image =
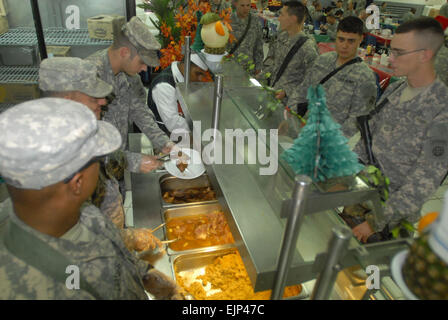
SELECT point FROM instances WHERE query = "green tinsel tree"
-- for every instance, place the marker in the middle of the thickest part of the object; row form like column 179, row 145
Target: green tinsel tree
column 198, row 45
column 321, row 150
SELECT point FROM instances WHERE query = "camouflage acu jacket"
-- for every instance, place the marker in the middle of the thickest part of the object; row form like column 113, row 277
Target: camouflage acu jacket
column 104, row 262
column 298, row 66
column 129, row 106
column 410, row 143
column 223, row 4
column 252, row 44
column 441, row 64
column 350, row 93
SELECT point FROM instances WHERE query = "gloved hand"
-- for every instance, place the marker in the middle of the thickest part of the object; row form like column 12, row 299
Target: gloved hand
column 168, row 147
column 149, row 163
column 161, row 286
column 140, row 239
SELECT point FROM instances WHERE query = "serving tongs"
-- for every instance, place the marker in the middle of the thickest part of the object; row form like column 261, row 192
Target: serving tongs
column 157, row 228
column 169, row 241
column 167, row 157
column 164, row 157
column 156, row 250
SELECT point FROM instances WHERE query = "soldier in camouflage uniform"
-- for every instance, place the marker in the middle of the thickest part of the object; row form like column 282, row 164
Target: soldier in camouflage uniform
column 292, row 17
column 444, row 10
column 331, row 26
column 408, row 15
column 76, row 79
column 352, row 91
column 441, row 64
column 409, row 133
column 133, row 50
column 349, row 9
column 252, row 44
column 315, row 11
column 52, row 246
column 219, row 5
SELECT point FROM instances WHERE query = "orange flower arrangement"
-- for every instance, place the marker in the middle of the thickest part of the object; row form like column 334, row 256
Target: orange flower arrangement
column 225, row 15
column 186, row 22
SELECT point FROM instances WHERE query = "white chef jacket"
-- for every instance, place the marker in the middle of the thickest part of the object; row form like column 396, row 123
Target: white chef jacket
column 165, row 98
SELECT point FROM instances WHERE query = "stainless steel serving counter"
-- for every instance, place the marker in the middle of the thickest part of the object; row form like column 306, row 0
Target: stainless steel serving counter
column 146, row 203
column 252, row 203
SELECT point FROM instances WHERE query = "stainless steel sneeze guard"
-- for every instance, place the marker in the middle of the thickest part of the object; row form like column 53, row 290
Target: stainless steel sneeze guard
column 252, row 203
column 253, row 215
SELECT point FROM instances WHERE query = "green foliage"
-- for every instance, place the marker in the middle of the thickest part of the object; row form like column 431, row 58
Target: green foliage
column 374, row 177
column 198, row 44
column 403, row 225
column 165, row 12
column 269, row 101
column 209, row 17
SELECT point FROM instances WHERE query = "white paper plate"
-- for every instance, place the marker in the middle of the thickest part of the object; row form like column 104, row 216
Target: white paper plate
column 195, row 167
column 397, row 266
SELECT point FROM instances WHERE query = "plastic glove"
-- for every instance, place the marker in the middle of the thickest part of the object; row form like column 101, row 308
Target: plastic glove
column 168, row 147
column 145, row 240
column 149, row 163
column 161, row 286
column 140, row 239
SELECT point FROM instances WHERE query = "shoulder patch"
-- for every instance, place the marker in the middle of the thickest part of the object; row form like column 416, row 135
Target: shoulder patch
column 436, row 146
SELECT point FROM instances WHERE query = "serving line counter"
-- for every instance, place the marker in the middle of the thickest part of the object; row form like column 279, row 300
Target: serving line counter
column 255, row 205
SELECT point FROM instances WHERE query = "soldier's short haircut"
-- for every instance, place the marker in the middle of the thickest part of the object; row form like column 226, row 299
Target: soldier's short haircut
column 56, row 94
column 338, row 12
column 351, row 24
column 296, row 8
column 428, row 31
column 120, row 40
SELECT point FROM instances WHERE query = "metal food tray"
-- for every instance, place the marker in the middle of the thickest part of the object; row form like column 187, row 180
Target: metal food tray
column 192, row 210
column 169, row 183
column 196, row 262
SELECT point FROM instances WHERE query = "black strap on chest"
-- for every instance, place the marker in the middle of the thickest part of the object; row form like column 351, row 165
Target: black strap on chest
column 35, row 252
column 366, row 134
column 302, row 108
column 332, row 73
column 299, row 43
column 378, row 108
column 240, row 40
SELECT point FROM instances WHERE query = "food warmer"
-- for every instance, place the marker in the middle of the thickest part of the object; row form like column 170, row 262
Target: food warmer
column 257, row 206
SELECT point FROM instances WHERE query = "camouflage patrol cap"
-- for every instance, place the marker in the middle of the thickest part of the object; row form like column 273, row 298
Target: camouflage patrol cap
column 63, row 74
column 46, row 140
column 143, row 40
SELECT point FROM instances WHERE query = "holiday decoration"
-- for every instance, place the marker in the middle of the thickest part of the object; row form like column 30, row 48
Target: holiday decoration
column 198, row 44
column 321, row 151
column 214, row 33
column 174, row 24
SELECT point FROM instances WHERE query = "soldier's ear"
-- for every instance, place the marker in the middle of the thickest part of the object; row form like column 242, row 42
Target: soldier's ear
column 75, row 185
column 427, row 55
column 125, row 52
